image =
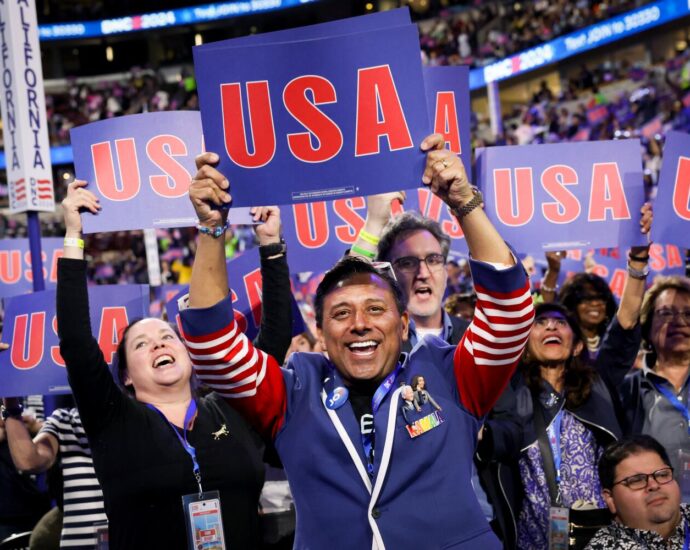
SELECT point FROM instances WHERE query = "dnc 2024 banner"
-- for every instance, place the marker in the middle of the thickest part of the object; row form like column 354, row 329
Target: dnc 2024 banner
column 33, row 364
column 140, row 167
column 15, row 265
column 566, row 195
column 341, row 123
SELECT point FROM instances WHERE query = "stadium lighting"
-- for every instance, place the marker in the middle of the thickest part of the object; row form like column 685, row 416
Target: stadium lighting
column 109, row 53
column 198, row 39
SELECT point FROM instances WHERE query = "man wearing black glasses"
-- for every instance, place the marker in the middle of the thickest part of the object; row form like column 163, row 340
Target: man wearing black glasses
column 641, row 492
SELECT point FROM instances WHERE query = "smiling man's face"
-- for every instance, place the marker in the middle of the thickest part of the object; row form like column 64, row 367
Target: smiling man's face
column 362, row 328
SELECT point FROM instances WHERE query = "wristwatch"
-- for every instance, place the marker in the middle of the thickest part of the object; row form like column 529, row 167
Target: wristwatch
column 274, row 249
column 11, row 412
column 465, row 209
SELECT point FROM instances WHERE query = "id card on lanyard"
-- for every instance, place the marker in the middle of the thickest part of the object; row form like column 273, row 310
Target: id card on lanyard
column 202, row 512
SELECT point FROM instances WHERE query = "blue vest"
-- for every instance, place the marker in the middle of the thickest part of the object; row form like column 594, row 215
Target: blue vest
column 420, row 495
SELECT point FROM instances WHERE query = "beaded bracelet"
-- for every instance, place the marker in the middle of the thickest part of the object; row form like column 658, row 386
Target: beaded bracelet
column 216, row 231
column 545, row 288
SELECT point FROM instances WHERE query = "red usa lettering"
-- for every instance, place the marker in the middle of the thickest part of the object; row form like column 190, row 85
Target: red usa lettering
column 314, row 221
column 515, row 202
column 379, row 114
column 28, row 343
column 117, row 167
column 15, row 268
column 446, row 120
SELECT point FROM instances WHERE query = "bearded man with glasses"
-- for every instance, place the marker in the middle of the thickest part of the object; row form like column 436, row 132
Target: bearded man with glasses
column 641, row 492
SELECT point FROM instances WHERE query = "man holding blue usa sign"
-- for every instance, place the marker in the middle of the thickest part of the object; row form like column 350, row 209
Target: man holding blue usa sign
column 386, row 484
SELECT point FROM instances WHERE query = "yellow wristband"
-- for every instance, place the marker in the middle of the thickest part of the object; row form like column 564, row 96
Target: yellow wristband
column 73, row 241
column 369, row 238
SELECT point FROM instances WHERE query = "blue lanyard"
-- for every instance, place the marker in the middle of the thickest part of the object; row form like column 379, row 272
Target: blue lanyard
column 554, row 433
column 686, row 544
column 191, row 451
column 379, row 396
column 675, row 402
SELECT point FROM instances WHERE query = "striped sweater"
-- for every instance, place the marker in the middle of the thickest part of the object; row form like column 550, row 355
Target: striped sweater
column 422, row 480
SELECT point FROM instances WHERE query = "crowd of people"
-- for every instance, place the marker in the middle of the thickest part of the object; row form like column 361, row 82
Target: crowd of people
column 509, row 411
column 489, row 31
column 430, row 402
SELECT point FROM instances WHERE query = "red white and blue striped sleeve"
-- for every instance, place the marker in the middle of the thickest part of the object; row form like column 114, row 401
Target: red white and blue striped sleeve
column 490, row 349
column 227, row 362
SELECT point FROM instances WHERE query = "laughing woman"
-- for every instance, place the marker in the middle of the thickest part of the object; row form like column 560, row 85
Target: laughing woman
column 156, row 441
column 565, row 402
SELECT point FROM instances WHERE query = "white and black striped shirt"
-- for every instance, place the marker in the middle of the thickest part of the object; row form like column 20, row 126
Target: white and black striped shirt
column 83, row 498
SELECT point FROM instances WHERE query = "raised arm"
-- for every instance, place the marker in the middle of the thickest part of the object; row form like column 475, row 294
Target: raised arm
column 628, row 313
column 488, row 353
column 378, row 214
column 93, row 387
column 223, row 358
column 209, row 283
column 275, row 333
column 623, row 336
column 29, row 454
column 549, row 284
column 445, row 175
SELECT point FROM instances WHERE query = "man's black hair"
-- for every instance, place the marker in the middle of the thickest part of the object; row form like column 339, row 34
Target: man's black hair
column 346, row 268
column 619, row 450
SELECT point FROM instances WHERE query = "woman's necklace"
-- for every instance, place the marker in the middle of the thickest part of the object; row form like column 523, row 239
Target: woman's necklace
column 593, row 342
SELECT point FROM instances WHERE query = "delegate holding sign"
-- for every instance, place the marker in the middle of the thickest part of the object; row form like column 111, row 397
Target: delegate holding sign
column 335, row 117
column 569, row 195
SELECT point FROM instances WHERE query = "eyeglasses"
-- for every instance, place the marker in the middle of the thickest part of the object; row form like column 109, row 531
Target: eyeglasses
column 410, row 264
column 666, row 315
column 546, row 321
column 640, row 481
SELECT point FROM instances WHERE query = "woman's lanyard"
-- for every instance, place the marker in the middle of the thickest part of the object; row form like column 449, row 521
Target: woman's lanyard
column 379, row 396
column 553, row 431
column 191, row 451
column 677, row 404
